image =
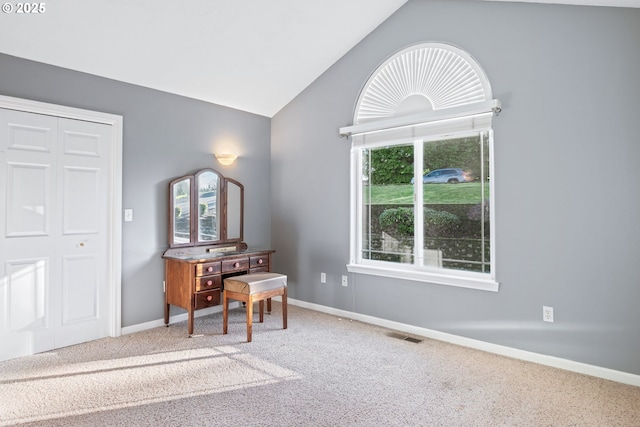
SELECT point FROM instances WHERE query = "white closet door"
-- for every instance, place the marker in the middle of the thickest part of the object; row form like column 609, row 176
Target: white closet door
column 53, row 232
column 82, row 242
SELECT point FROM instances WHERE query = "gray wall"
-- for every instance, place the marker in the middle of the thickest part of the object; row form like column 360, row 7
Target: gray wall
column 567, row 148
column 165, row 136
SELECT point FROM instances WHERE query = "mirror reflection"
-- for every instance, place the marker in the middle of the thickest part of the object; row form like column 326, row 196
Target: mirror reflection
column 234, row 207
column 205, row 209
column 208, row 212
column 181, row 198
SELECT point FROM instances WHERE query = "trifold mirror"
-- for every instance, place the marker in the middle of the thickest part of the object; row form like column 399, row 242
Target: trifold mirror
column 205, row 209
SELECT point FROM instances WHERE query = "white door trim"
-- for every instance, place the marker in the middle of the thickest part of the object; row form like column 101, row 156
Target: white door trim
column 115, row 196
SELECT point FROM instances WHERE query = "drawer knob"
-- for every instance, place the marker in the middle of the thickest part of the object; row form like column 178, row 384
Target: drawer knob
column 236, row 265
column 260, row 261
column 209, row 298
column 210, row 269
column 209, row 282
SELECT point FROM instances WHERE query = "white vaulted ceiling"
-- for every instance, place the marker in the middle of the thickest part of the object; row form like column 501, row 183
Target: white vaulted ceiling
column 252, row 55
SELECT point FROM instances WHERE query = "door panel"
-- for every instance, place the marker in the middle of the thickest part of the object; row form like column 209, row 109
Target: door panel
column 28, row 204
column 36, row 134
column 79, row 284
column 81, row 200
column 80, row 143
column 26, row 310
column 26, row 314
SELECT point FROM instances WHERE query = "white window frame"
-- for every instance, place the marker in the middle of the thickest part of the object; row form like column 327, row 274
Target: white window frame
column 450, row 121
column 460, row 278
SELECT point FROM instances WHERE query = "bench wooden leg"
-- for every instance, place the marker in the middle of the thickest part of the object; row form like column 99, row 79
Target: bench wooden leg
column 250, row 300
column 249, row 317
column 225, row 312
column 284, row 309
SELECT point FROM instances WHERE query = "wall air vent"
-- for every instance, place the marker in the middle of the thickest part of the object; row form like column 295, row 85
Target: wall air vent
column 404, row 337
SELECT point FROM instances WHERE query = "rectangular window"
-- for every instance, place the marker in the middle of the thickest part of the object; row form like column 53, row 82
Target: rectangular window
column 423, row 207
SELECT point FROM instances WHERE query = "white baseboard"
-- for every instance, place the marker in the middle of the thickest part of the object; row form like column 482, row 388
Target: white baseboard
column 542, row 359
column 556, row 362
column 175, row 319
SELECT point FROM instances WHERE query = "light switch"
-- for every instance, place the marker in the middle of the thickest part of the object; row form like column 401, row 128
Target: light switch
column 128, row 215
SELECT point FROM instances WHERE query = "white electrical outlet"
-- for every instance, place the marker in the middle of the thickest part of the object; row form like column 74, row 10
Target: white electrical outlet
column 547, row 314
column 345, row 281
column 323, row 277
column 128, row 215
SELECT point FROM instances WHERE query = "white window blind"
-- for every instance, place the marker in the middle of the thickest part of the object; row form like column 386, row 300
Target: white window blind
column 439, row 128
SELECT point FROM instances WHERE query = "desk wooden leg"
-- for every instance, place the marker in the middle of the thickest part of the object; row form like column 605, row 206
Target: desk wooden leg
column 190, row 322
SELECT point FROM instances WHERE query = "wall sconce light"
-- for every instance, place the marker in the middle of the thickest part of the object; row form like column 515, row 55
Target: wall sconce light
column 226, row 159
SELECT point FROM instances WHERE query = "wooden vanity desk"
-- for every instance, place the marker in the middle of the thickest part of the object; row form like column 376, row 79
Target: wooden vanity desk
column 206, row 226
column 194, row 278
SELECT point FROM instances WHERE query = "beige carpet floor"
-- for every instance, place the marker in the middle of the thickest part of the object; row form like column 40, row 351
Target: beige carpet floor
column 322, row 371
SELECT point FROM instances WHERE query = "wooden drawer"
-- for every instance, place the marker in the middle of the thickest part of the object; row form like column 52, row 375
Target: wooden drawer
column 259, row 270
column 259, row 261
column 207, row 268
column 235, row 264
column 207, row 299
column 208, row 282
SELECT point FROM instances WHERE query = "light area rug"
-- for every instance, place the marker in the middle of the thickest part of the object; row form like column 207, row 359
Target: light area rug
column 322, row 371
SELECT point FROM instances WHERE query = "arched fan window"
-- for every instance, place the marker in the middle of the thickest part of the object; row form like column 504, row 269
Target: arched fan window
column 422, row 156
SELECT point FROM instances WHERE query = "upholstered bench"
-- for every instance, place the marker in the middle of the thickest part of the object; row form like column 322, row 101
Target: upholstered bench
column 250, row 288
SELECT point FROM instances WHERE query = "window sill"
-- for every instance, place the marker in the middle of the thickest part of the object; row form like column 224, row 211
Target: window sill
column 472, row 281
